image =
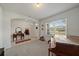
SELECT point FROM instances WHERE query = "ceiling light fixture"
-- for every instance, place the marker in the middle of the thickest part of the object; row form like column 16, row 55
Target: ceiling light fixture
column 38, row 5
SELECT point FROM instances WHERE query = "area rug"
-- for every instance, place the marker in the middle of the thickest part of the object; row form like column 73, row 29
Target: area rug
column 20, row 41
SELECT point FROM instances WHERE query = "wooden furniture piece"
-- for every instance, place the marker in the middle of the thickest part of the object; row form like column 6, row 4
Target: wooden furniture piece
column 1, row 51
column 42, row 38
column 18, row 34
column 64, row 49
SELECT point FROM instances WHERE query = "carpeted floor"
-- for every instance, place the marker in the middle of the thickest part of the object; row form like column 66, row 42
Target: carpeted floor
column 29, row 48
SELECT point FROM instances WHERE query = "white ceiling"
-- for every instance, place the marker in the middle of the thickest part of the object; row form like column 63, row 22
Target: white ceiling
column 45, row 10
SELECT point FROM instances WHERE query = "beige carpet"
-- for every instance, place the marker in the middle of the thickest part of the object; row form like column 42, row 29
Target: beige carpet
column 30, row 48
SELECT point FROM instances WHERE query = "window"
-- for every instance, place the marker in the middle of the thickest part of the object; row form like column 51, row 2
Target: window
column 57, row 28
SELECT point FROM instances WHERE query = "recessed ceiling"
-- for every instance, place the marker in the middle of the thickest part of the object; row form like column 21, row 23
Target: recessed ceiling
column 45, row 10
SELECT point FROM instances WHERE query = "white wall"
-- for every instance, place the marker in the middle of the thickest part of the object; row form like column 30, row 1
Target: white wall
column 72, row 20
column 1, row 32
column 8, row 16
column 25, row 24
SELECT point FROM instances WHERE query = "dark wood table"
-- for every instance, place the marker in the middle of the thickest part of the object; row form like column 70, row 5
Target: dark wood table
column 15, row 35
column 64, row 49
